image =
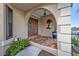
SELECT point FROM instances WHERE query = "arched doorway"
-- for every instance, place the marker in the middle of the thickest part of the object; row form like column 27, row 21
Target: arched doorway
column 39, row 30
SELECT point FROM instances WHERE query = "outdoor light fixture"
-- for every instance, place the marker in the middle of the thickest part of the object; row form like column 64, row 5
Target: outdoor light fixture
column 45, row 12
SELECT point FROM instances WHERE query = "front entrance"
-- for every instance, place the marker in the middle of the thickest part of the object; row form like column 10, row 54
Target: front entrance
column 32, row 27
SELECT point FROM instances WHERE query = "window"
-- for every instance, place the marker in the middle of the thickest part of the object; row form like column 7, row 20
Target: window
column 9, row 22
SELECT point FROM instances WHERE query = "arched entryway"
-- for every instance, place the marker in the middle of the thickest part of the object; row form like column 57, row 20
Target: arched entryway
column 41, row 27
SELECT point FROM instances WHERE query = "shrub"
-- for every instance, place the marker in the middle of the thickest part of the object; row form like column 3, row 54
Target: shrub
column 16, row 46
column 75, row 41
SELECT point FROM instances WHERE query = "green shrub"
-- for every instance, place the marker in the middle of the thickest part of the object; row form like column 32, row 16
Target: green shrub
column 16, row 46
column 75, row 41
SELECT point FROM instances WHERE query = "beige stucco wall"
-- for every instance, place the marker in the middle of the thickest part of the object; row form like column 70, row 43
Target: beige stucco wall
column 42, row 25
column 18, row 22
column 18, row 26
column 1, row 27
column 1, row 22
column 50, row 7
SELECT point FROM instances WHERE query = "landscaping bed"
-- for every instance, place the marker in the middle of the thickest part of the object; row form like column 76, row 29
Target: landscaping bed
column 75, row 47
column 17, row 46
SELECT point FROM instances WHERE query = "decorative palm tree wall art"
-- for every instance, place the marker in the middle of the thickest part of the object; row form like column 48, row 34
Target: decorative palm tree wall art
column 49, row 21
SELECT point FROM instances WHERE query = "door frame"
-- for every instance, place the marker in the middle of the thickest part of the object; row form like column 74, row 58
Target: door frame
column 32, row 25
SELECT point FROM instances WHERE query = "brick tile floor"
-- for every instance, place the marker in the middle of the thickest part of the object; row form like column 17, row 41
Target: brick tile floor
column 45, row 53
column 44, row 41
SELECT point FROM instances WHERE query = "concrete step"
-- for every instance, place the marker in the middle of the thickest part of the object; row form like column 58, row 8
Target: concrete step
column 29, row 51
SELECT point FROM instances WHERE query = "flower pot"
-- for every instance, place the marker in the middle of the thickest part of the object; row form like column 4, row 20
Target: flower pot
column 54, row 35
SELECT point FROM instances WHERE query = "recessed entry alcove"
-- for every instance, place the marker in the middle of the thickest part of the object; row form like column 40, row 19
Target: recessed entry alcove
column 42, row 28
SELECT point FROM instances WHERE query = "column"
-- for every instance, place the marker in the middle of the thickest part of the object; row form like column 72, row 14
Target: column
column 64, row 29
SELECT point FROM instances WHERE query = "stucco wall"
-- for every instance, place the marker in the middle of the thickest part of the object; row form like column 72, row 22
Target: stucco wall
column 1, row 28
column 43, row 26
column 18, row 25
column 18, row 22
column 1, row 22
column 51, row 7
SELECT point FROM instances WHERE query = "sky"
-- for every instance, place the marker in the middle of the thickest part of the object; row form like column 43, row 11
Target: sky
column 75, row 15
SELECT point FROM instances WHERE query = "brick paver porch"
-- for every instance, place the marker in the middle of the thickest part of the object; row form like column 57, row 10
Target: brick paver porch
column 43, row 40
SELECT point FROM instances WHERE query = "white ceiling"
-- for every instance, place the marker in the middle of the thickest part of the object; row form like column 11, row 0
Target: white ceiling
column 25, row 6
column 40, row 12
